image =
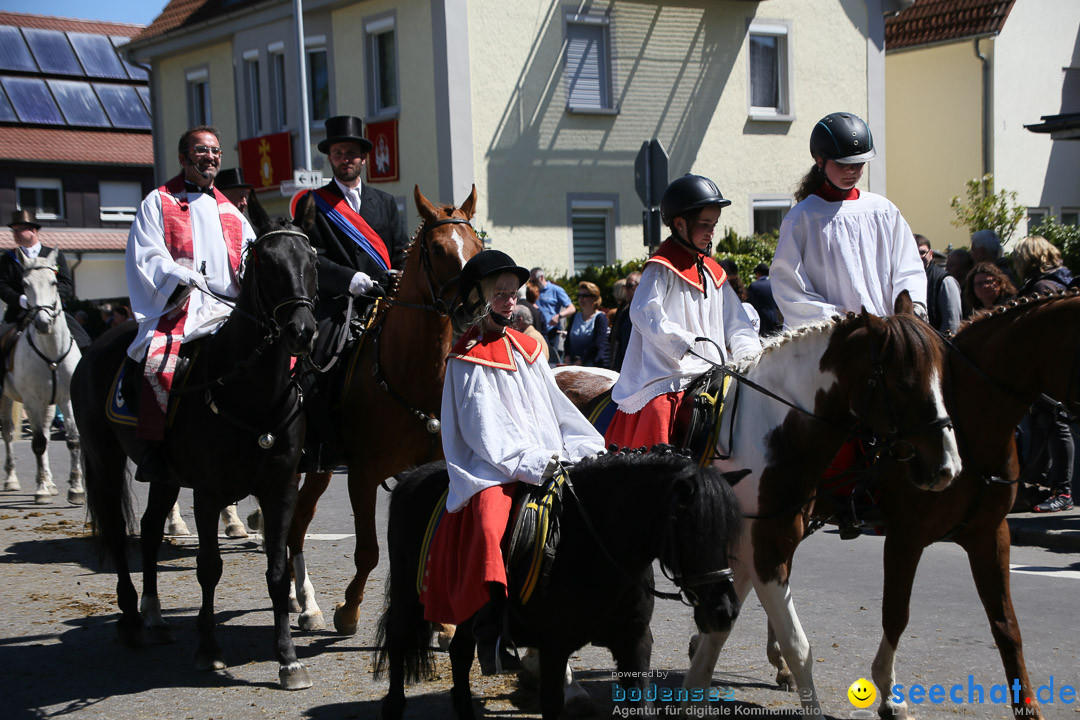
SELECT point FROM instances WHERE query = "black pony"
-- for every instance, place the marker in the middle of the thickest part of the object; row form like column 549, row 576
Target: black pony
column 237, row 430
column 634, row 508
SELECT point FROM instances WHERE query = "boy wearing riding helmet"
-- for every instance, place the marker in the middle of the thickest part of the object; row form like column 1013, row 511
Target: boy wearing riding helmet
column 504, row 421
column 842, row 249
column 682, row 295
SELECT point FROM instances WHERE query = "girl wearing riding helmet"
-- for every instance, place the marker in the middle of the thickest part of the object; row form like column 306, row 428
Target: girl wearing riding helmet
column 504, row 420
column 682, row 295
column 842, row 249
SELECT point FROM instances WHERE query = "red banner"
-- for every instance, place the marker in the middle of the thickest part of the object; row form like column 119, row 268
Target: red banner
column 267, row 160
column 382, row 164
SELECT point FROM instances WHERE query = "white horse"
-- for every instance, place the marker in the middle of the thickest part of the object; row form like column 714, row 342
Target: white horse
column 39, row 377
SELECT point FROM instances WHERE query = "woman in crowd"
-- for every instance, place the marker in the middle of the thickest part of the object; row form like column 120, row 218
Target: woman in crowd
column 1038, row 264
column 587, row 341
column 986, row 286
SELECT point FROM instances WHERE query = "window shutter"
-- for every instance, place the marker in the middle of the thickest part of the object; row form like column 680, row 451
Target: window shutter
column 590, row 241
column 586, row 66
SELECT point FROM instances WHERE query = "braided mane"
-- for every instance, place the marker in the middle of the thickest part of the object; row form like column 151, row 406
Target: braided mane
column 1019, row 306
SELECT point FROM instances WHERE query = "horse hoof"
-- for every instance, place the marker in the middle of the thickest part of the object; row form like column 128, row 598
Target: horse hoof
column 343, row 627
column 205, row 662
column 11, row 485
column 393, row 707
column 579, row 704
column 158, row 635
column 312, row 621
column 76, row 497
column 43, row 497
column 179, row 528
column 254, row 520
column 53, row 490
column 294, row 676
column 235, row 530
column 894, row 711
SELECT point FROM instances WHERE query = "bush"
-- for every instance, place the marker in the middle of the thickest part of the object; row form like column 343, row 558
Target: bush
column 986, row 210
column 746, row 251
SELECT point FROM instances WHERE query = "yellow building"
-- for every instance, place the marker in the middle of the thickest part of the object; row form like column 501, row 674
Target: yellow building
column 543, row 105
column 964, row 78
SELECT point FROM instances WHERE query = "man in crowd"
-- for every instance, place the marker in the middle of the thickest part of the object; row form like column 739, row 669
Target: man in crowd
column 184, row 247
column 942, row 291
column 231, row 182
column 555, row 306
column 759, row 295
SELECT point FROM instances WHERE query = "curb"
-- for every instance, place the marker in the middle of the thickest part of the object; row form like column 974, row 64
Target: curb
column 1059, row 531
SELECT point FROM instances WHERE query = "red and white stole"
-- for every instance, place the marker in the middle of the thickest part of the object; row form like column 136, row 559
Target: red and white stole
column 169, row 332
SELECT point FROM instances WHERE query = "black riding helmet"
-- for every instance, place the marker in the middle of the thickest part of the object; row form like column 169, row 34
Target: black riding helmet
column 843, row 138
column 485, row 264
column 690, row 192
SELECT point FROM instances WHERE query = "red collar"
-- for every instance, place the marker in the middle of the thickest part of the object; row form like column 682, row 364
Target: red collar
column 677, row 259
column 496, row 350
column 830, row 194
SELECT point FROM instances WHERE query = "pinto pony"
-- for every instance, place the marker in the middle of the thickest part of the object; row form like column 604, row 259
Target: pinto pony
column 240, row 410
column 626, row 511
column 388, row 416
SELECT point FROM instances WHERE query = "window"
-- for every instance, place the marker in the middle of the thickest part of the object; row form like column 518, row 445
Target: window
column 279, row 96
column 1070, row 216
column 588, row 64
column 592, row 232
column 119, row 200
column 253, row 92
column 768, row 213
column 318, row 82
column 382, row 80
column 198, row 97
column 770, row 71
column 44, row 196
column 1036, row 216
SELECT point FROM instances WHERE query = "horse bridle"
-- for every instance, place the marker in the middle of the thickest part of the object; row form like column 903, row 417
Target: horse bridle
column 436, row 290
column 273, row 324
column 54, row 311
column 686, row 594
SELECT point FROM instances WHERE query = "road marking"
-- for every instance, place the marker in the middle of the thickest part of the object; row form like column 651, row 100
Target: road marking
column 256, row 537
column 1043, row 570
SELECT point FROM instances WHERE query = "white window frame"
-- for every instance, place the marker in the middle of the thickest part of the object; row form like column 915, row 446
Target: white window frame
column 277, row 73
column 605, row 64
column 316, row 45
column 374, row 28
column 593, row 205
column 118, row 212
column 198, row 88
column 767, row 202
column 784, row 111
column 38, row 184
column 253, row 92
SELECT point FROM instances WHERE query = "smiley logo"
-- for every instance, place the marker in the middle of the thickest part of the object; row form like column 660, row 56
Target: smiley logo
column 862, row 693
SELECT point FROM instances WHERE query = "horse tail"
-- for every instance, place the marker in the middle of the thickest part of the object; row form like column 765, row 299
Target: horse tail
column 403, row 636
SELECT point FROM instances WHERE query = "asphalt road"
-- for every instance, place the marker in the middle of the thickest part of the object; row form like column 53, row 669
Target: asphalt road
column 60, row 657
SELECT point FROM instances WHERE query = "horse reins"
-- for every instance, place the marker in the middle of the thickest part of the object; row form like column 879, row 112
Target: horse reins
column 53, row 365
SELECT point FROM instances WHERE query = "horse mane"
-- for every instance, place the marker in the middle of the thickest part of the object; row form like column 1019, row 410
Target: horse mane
column 1018, row 307
column 788, row 335
column 448, row 210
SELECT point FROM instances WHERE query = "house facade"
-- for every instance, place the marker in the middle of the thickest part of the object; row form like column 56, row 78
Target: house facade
column 75, row 143
column 543, row 105
column 964, row 79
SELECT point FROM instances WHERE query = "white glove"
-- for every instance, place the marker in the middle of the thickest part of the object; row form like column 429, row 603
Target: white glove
column 360, row 284
column 193, row 279
column 23, row 303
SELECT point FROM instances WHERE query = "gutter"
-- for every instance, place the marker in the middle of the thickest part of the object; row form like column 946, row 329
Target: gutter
column 987, row 163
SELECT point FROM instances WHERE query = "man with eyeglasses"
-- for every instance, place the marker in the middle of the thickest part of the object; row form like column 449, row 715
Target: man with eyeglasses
column 184, row 247
column 943, row 308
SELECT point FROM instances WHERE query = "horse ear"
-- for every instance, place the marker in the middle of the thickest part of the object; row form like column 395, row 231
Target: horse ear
column 426, row 209
column 903, row 305
column 469, row 206
column 306, row 221
column 258, row 216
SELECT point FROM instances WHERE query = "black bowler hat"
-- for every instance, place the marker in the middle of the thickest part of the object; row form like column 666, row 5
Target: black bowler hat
column 24, row 217
column 231, row 178
column 344, row 128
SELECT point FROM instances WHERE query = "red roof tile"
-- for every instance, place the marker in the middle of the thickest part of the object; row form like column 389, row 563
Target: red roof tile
column 76, row 146
column 48, row 22
column 175, row 14
column 87, row 239
column 934, row 21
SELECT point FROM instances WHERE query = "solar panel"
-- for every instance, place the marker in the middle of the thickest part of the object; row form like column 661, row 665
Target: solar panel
column 123, row 105
column 144, row 95
column 32, row 100
column 7, row 113
column 97, row 55
column 52, row 51
column 134, row 71
column 78, row 103
column 14, row 54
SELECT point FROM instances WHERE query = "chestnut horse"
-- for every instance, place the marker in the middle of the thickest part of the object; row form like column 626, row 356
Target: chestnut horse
column 388, row 415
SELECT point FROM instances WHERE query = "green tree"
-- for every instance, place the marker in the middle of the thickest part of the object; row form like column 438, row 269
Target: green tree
column 987, row 210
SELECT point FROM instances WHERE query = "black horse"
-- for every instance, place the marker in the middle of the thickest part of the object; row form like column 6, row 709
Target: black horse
column 237, row 430
column 629, row 509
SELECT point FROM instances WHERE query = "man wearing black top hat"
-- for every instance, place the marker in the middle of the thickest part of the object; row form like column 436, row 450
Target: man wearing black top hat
column 232, row 185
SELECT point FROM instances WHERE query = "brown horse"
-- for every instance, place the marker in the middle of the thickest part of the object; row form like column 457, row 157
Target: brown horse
column 388, row 415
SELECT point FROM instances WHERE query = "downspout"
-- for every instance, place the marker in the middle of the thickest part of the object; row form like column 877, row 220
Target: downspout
column 71, row 269
column 986, row 163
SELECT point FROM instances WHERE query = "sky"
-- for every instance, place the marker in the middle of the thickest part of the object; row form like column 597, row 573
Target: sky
column 141, row 12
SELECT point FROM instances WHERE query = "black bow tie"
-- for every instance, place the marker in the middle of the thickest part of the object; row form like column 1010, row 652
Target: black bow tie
column 193, row 188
